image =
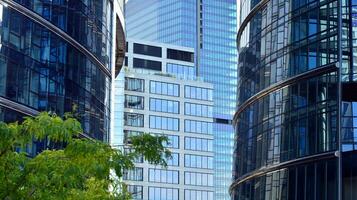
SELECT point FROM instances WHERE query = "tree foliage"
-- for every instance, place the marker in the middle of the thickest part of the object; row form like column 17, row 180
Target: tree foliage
column 84, row 169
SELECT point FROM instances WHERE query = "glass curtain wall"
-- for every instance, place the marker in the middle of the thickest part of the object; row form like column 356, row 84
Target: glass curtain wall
column 288, row 100
column 46, row 70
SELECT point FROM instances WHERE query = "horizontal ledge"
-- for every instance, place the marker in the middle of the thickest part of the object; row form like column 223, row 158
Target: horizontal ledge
column 312, row 73
column 249, row 17
column 265, row 170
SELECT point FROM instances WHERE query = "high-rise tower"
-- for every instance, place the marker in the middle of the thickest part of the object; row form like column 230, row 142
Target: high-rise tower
column 208, row 26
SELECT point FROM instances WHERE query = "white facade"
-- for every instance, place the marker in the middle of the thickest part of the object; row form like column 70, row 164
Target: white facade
column 179, row 106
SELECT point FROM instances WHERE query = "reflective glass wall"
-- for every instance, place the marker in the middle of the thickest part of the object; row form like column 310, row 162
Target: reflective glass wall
column 170, row 21
column 56, row 54
column 289, row 99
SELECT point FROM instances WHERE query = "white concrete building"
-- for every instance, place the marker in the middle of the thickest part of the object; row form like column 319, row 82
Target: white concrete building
column 162, row 95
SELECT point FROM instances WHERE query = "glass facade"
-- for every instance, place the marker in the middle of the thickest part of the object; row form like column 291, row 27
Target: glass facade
column 43, row 70
column 162, row 21
column 88, row 22
column 296, row 77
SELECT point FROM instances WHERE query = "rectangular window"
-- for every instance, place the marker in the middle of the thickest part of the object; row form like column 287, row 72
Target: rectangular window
column 192, row 126
column 175, row 160
column 164, row 176
column 181, row 70
column 164, row 123
column 128, row 134
column 163, row 88
column 196, row 161
column 126, row 61
column 146, row 64
column 192, row 92
column 198, row 144
column 134, row 84
column 199, row 179
column 147, row 50
column 136, row 191
column 133, row 119
column 163, row 105
column 180, row 55
column 157, row 193
column 198, row 195
column 198, row 110
column 135, row 102
column 139, row 159
column 135, row 174
column 174, row 140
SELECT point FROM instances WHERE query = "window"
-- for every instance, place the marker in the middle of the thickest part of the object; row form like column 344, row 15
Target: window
column 136, row 191
column 174, row 141
column 133, row 119
column 198, row 195
column 135, row 174
column 192, row 92
column 147, row 50
column 180, row 55
column 126, row 61
column 139, row 159
column 199, row 179
column 196, row 161
column 134, row 84
column 164, row 176
column 129, row 133
column 163, row 88
column 198, row 110
column 156, row 193
column 192, row 126
column 181, row 70
column 136, row 102
column 162, row 105
column 164, row 123
column 198, row 144
column 146, row 64
column 175, row 160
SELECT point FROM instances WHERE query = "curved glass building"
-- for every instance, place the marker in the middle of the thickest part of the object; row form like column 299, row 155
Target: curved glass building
column 56, row 54
column 296, row 110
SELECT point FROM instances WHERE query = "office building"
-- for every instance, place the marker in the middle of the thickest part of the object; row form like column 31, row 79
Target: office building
column 56, row 54
column 208, row 26
column 296, row 107
column 163, row 95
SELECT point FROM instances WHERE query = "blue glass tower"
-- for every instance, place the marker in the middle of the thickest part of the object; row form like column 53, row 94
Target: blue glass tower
column 210, row 27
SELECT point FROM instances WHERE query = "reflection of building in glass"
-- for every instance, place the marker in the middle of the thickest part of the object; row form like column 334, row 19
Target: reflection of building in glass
column 210, row 27
column 287, row 118
column 54, row 54
column 161, row 95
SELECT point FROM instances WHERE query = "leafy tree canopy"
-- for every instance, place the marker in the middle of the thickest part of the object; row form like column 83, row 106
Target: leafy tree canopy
column 84, row 169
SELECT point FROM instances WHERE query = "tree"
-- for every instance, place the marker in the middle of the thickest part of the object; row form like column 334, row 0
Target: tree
column 84, row 169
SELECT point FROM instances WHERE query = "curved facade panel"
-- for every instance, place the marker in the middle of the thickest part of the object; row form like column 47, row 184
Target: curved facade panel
column 88, row 22
column 44, row 70
column 296, row 77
